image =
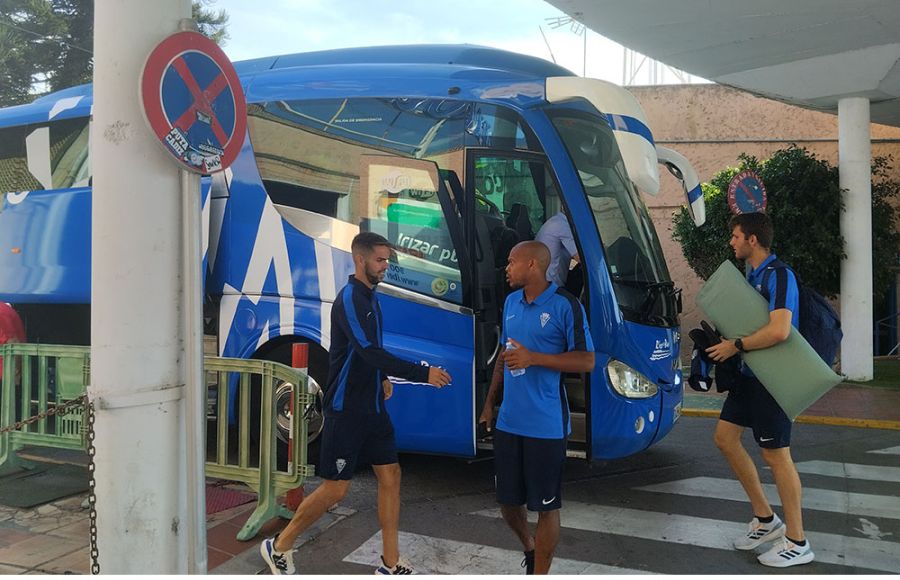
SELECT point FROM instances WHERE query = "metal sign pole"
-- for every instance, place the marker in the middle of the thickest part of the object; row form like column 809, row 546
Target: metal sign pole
column 195, row 391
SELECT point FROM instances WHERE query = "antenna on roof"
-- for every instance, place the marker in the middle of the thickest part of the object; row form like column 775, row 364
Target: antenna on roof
column 578, row 29
column 550, row 50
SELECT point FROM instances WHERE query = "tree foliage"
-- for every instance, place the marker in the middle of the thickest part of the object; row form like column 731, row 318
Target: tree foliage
column 47, row 45
column 805, row 204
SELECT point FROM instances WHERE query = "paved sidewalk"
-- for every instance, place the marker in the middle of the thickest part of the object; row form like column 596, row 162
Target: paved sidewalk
column 54, row 538
column 846, row 404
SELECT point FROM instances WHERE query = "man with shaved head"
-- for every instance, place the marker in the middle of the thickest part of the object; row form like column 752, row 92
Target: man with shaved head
column 546, row 334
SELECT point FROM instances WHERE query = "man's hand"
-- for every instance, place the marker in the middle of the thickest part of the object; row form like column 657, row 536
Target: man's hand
column 487, row 416
column 722, row 351
column 518, row 358
column 438, row 377
column 388, row 388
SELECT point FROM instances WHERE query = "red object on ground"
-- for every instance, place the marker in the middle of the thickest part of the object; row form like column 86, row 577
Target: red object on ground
column 11, row 328
column 293, row 498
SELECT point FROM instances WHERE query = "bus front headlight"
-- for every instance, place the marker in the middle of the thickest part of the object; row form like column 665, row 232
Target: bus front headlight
column 628, row 382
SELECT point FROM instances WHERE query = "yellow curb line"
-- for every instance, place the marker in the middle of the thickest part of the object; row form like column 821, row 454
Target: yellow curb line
column 812, row 420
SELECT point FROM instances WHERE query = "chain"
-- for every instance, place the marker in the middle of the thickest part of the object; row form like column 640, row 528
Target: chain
column 58, row 410
column 92, row 484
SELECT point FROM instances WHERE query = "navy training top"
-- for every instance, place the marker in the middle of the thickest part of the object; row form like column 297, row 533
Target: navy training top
column 535, row 404
column 357, row 361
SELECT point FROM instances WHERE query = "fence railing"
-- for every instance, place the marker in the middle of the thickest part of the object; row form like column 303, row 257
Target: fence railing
column 38, row 379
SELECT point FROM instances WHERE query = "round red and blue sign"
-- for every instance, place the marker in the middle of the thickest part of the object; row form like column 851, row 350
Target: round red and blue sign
column 746, row 193
column 194, row 103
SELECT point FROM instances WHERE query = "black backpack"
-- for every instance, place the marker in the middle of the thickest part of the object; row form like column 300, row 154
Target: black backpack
column 819, row 323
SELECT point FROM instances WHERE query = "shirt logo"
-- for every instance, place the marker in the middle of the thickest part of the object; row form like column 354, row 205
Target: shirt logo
column 545, row 318
column 340, row 464
column 511, row 316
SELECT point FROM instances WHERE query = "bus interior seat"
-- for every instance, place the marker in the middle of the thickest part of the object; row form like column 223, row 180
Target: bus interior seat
column 518, row 221
column 629, row 260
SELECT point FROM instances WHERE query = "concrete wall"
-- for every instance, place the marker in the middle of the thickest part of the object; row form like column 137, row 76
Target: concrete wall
column 711, row 125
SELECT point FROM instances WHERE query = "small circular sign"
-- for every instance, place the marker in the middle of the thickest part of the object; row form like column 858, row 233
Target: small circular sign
column 194, row 103
column 746, row 193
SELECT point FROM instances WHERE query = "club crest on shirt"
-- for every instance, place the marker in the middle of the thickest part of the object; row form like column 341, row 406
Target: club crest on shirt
column 545, row 318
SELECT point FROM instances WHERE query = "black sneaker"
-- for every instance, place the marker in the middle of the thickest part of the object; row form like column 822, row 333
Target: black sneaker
column 528, row 562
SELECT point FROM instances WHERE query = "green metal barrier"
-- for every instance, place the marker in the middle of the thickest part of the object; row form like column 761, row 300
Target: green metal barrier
column 268, row 479
column 36, row 378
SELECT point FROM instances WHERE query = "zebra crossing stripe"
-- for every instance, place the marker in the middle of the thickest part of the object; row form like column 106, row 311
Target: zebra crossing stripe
column 719, row 534
column 430, row 555
column 850, row 470
column 860, row 504
column 888, row 451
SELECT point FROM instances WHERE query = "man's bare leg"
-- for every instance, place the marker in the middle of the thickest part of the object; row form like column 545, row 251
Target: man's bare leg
column 311, row 509
column 728, row 440
column 516, row 518
column 389, row 510
column 787, row 480
column 546, row 538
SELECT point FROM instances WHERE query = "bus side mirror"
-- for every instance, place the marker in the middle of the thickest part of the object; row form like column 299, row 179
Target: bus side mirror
column 684, row 172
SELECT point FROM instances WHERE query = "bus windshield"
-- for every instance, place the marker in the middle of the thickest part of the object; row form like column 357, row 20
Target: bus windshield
column 637, row 268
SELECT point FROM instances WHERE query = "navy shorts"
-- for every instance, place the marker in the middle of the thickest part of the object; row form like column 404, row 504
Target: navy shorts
column 529, row 471
column 348, row 441
column 751, row 405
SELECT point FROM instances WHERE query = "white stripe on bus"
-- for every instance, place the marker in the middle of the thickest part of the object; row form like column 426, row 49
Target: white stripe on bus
column 431, row 555
column 860, row 504
column 719, row 534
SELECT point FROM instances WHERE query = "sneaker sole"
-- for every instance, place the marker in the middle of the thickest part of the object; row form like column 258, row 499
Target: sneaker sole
column 773, row 535
column 804, row 559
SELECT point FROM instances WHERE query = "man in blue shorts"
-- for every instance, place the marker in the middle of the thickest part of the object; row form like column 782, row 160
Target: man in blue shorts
column 749, row 404
column 546, row 334
column 357, row 425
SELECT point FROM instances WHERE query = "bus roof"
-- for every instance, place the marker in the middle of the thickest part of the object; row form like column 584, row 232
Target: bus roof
column 439, row 63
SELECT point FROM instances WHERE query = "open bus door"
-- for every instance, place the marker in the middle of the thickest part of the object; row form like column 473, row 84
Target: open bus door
column 425, row 301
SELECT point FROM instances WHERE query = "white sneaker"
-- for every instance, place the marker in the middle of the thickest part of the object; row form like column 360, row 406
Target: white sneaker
column 401, row 568
column 279, row 562
column 759, row 533
column 786, row 553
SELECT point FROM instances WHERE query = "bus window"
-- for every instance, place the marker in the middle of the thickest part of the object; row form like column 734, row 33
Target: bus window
column 36, row 157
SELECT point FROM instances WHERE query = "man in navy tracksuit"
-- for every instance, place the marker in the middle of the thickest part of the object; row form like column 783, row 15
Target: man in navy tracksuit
column 357, row 426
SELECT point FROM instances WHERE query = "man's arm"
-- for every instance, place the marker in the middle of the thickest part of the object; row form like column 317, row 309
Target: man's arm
column 574, row 361
column 353, row 318
column 777, row 330
column 494, row 391
column 578, row 359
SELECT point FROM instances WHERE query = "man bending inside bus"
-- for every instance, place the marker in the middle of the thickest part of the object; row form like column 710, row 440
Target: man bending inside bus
column 546, row 334
column 357, row 425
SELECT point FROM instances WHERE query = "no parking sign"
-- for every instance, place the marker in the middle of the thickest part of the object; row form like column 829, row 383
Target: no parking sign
column 193, row 102
column 746, row 193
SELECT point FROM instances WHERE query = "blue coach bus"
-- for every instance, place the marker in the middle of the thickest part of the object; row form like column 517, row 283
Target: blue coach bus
column 455, row 154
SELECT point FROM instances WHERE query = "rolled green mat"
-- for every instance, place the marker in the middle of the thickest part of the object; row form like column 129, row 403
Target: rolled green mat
column 791, row 370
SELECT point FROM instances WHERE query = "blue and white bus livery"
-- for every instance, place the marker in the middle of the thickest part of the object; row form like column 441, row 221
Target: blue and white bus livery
column 454, row 154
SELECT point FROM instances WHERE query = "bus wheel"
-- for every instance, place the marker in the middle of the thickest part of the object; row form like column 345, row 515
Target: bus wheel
column 313, row 411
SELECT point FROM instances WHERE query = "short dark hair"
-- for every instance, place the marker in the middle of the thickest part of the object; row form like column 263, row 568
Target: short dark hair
column 364, row 243
column 755, row 224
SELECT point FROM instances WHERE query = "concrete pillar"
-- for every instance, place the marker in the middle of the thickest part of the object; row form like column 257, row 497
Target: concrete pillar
column 137, row 368
column 855, row 153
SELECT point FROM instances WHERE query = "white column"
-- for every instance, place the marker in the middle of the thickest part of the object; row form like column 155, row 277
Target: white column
column 855, row 152
column 137, row 367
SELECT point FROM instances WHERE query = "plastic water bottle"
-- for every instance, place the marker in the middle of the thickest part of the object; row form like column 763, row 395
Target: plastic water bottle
column 514, row 372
